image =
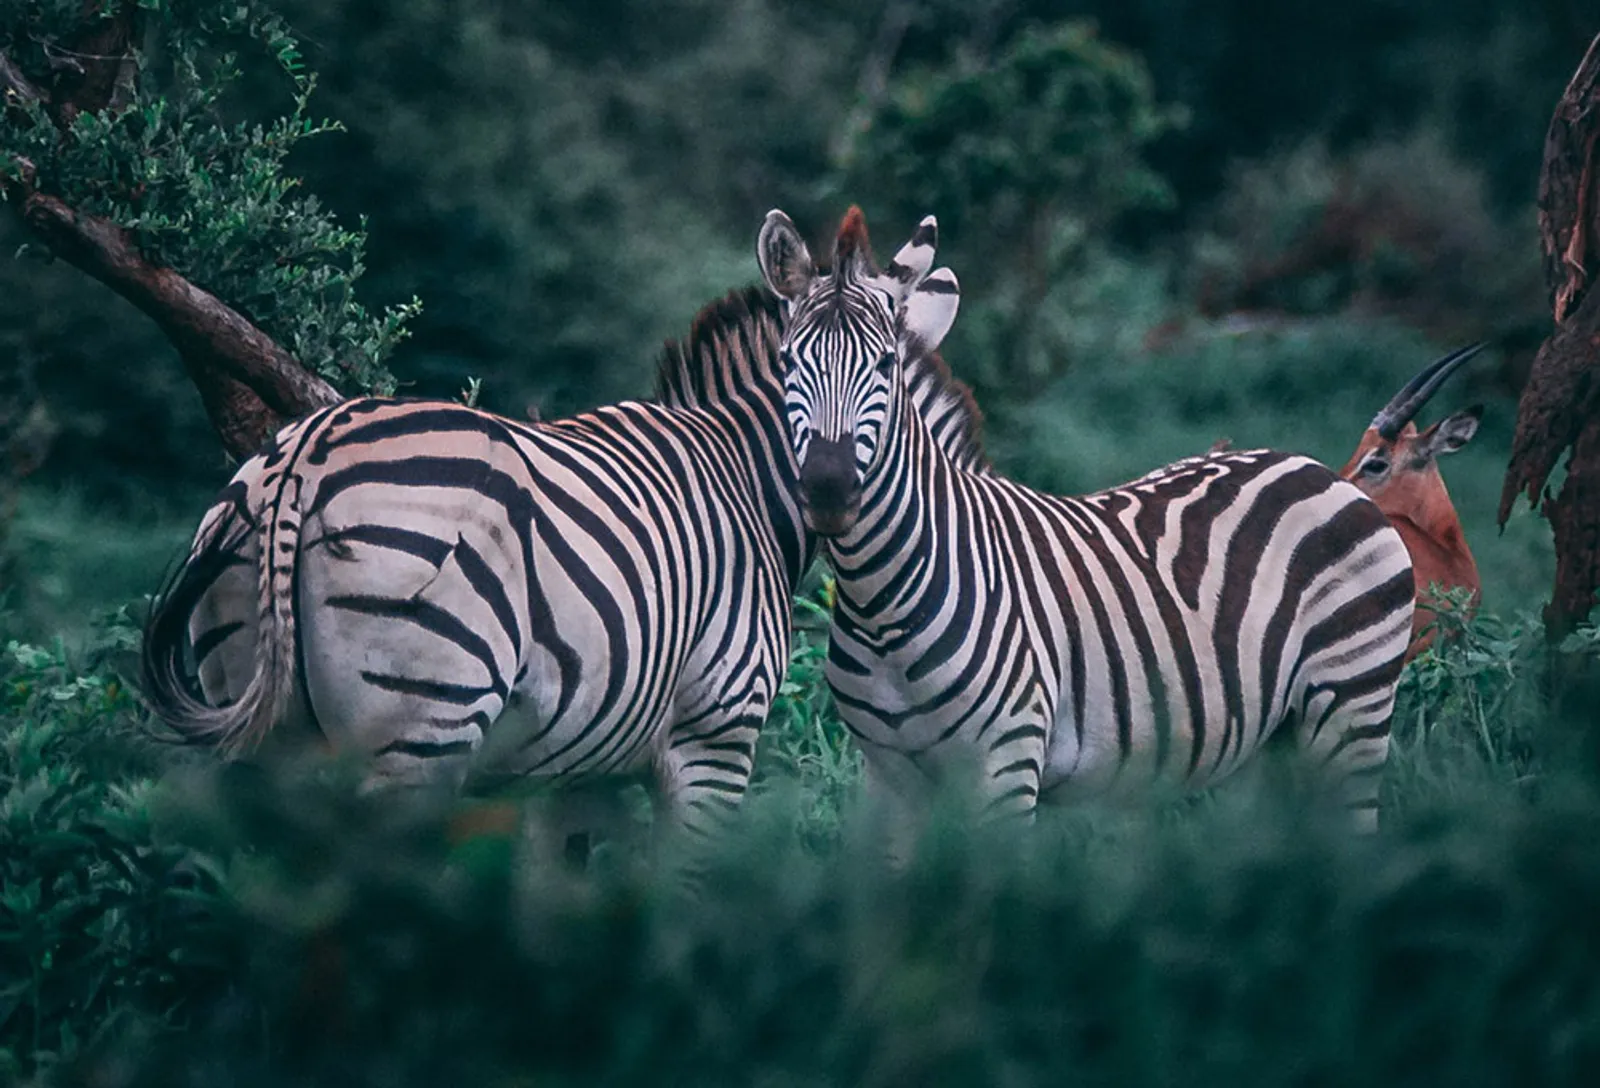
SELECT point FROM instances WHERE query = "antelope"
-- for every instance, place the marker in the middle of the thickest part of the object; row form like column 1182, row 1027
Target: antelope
column 1397, row 466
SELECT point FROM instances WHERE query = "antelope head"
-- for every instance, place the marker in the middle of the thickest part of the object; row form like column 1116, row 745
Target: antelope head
column 1397, row 466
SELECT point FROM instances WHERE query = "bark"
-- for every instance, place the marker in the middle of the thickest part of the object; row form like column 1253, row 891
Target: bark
column 249, row 384
column 26, row 431
column 1559, row 413
column 1575, row 520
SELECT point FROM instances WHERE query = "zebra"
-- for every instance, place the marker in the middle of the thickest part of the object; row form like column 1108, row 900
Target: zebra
column 610, row 592
column 1143, row 639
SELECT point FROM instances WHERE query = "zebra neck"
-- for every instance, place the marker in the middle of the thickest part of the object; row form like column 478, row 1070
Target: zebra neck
column 883, row 562
column 761, row 429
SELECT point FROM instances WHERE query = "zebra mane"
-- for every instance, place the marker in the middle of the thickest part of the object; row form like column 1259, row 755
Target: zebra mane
column 948, row 408
column 731, row 350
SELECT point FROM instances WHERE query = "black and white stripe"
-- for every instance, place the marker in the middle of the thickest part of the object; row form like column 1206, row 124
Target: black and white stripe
column 1150, row 636
column 447, row 591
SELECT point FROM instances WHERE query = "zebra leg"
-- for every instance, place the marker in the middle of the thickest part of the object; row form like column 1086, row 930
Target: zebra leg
column 1013, row 769
column 702, row 771
column 705, row 766
column 901, row 788
column 1348, row 746
column 897, row 796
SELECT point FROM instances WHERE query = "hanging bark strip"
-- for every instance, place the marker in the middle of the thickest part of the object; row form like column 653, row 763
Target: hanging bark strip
column 1560, row 407
column 249, row 384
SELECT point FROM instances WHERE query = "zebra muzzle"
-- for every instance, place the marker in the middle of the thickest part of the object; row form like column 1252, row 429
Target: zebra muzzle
column 830, row 490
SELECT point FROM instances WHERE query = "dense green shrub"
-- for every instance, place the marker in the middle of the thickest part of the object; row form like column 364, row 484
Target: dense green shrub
column 303, row 935
column 1053, row 127
column 1399, row 227
column 806, row 754
column 1023, row 159
column 205, row 193
column 99, row 922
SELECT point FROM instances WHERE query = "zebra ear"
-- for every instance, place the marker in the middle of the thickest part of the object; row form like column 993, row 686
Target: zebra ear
column 785, row 261
column 911, row 264
column 931, row 310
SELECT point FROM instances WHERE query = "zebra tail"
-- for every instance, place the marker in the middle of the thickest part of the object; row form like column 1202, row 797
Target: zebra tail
column 172, row 687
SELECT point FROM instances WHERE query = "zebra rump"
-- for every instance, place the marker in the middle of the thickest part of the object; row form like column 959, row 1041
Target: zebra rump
column 610, row 591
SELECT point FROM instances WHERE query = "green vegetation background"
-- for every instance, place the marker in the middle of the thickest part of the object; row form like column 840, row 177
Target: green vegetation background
column 1197, row 221
column 563, row 186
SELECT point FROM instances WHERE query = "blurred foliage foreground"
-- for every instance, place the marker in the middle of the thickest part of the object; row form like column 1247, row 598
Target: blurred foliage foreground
column 168, row 922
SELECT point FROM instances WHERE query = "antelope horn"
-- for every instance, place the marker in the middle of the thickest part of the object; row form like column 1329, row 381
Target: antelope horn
column 1409, row 401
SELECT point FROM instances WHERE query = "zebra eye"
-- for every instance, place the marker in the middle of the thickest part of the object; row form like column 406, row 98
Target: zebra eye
column 886, row 362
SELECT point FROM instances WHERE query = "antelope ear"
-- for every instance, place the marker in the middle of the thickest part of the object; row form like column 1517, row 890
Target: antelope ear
column 1455, row 430
column 785, row 261
column 1448, row 435
column 910, row 265
column 930, row 311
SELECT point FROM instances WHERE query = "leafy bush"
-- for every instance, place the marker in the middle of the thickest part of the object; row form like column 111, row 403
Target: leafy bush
column 1023, row 159
column 1474, row 711
column 806, row 753
column 303, row 934
column 68, row 554
column 99, row 922
column 203, row 194
column 565, row 189
column 1399, row 227
column 1054, row 126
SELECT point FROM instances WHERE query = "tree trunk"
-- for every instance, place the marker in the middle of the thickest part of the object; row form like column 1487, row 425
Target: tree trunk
column 1560, row 409
column 249, row 384
column 26, row 431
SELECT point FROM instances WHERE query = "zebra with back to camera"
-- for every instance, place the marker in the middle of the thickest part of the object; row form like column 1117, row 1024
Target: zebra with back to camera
column 610, row 593
column 1153, row 635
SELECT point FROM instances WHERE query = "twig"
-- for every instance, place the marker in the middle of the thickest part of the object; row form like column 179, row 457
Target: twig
column 14, row 83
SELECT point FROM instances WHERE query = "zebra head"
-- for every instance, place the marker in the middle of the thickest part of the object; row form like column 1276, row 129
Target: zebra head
column 847, row 330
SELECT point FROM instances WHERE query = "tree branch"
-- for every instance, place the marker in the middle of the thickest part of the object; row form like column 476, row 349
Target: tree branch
column 14, row 84
column 249, row 384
